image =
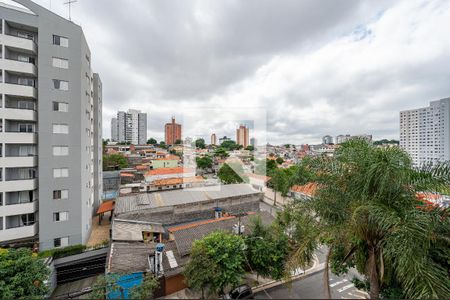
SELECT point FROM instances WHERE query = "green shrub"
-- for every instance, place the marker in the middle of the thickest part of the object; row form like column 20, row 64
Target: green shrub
column 63, row 252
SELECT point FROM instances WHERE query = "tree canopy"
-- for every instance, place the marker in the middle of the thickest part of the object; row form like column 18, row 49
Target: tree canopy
column 225, row 254
column 114, row 161
column 22, row 274
column 231, row 174
column 200, row 143
column 368, row 214
column 229, row 145
column 204, row 162
column 152, row 141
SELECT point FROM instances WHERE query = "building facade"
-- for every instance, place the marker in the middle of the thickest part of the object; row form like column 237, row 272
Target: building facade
column 51, row 129
column 131, row 127
column 242, row 136
column 328, row 139
column 213, row 139
column 425, row 132
column 172, row 132
column 114, row 127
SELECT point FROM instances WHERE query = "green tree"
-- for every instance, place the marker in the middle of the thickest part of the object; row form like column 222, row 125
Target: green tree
column 369, row 195
column 221, row 152
column 163, row 145
column 178, row 142
column 229, row 175
column 250, row 148
column 226, row 252
column 279, row 160
column 146, row 289
column 204, row 162
column 200, row 143
column 279, row 182
column 152, row 141
column 271, row 165
column 200, row 280
column 113, row 161
column 22, row 274
column 266, row 249
column 229, row 145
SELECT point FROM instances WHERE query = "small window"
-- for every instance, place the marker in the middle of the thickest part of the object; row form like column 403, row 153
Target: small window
column 25, row 127
column 60, row 194
column 60, row 150
column 61, row 85
column 60, row 63
column 61, row 242
column 60, row 106
column 60, row 41
column 60, row 216
column 61, row 172
column 61, row 128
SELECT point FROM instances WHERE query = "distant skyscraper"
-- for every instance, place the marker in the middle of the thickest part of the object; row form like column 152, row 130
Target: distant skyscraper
column 328, row 139
column 132, row 127
column 213, row 139
column 172, row 132
column 242, row 136
column 114, row 127
column 253, row 142
column 425, row 132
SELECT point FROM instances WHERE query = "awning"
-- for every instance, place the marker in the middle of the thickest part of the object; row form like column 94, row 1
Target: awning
column 106, row 206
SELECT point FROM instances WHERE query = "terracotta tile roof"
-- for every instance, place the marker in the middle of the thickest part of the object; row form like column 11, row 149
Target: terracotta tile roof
column 106, row 206
column 171, row 181
column 165, row 171
column 307, row 189
column 141, row 167
column 126, row 175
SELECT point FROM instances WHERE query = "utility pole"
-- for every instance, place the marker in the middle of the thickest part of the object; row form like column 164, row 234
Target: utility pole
column 69, row 3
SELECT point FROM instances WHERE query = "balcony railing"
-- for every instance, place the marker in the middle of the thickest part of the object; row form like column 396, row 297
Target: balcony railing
column 31, row 60
column 26, row 37
column 31, row 84
column 28, row 106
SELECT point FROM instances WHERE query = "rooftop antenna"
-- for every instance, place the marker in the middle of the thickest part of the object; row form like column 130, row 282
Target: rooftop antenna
column 69, row 3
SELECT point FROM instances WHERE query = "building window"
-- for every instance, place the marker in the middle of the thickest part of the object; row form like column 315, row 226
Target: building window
column 60, row 106
column 60, row 194
column 61, row 85
column 61, row 128
column 61, row 172
column 60, row 150
column 61, row 242
column 60, row 63
column 26, row 127
column 60, row 216
column 60, row 41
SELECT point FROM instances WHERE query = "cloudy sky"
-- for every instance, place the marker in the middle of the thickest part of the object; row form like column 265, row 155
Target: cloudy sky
column 315, row 67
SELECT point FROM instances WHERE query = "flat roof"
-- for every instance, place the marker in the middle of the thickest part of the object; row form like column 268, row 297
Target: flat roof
column 128, row 230
column 177, row 197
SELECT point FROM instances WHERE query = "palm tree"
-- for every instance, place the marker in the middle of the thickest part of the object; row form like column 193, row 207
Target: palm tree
column 367, row 204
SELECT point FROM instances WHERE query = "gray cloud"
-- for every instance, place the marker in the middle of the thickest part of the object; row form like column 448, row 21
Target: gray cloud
column 318, row 67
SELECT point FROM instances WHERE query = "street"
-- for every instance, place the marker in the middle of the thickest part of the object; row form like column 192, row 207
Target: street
column 312, row 288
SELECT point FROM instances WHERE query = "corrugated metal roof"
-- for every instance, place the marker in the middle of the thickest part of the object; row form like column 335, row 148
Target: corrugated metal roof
column 177, row 197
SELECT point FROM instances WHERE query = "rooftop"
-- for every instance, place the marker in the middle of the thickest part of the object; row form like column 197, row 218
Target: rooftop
column 308, row 189
column 185, row 235
column 128, row 230
column 171, row 181
column 165, row 171
column 176, row 197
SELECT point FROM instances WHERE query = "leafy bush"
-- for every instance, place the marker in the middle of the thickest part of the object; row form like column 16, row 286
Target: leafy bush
column 63, row 252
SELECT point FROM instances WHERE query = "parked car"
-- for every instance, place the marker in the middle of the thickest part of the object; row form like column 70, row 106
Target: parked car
column 241, row 292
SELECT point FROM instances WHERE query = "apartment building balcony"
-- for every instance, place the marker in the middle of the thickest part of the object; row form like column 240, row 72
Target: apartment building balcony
column 14, row 40
column 15, row 113
column 19, row 185
column 15, row 137
column 18, row 89
column 21, row 232
column 15, row 65
column 19, row 209
column 25, row 161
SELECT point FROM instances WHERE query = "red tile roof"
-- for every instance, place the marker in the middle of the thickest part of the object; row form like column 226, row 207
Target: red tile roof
column 106, row 206
column 165, row 171
column 309, row 189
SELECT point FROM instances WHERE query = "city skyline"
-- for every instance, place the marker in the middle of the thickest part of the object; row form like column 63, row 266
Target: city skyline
column 338, row 80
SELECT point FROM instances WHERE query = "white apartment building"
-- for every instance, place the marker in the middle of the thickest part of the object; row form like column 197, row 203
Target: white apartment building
column 425, row 132
column 50, row 129
column 131, row 127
